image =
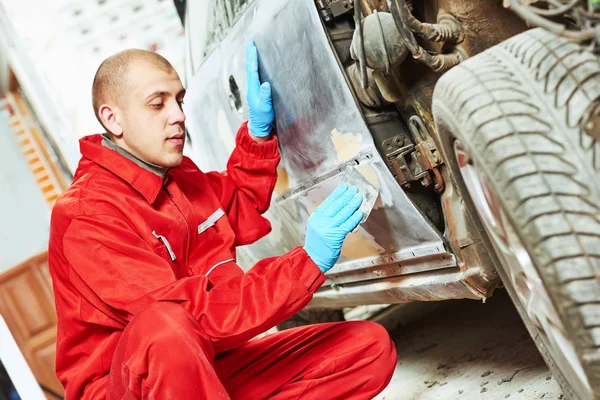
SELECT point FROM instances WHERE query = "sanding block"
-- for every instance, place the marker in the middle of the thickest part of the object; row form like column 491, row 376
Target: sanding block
column 352, row 177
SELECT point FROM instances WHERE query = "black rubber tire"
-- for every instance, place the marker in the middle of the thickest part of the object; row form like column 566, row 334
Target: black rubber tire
column 520, row 109
column 312, row 316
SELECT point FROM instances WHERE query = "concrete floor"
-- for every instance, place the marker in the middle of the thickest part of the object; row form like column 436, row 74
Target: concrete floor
column 469, row 350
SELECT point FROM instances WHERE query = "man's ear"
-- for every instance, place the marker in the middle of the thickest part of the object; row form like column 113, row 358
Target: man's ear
column 110, row 119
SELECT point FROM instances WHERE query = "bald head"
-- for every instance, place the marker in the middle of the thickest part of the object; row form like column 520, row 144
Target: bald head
column 112, row 78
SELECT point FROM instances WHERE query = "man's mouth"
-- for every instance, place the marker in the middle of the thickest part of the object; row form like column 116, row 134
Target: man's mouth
column 177, row 140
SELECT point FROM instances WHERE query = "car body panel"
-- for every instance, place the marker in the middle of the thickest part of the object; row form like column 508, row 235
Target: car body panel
column 320, row 128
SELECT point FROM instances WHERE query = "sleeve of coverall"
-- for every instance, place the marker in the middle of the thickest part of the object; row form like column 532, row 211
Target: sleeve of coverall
column 118, row 271
column 246, row 187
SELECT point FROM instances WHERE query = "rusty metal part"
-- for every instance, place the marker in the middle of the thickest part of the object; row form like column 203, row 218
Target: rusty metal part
column 369, row 96
column 384, row 48
column 426, row 152
column 415, row 162
column 405, row 164
column 396, row 266
column 449, row 283
column 460, row 232
column 465, row 241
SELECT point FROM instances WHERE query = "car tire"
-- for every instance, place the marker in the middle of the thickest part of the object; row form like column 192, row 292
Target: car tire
column 518, row 114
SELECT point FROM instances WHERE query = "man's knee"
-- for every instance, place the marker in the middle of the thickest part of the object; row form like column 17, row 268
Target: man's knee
column 162, row 315
column 375, row 341
column 169, row 327
column 163, row 344
column 378, row 354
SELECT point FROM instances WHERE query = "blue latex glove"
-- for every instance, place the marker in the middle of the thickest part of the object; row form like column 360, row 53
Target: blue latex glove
column 329, row 224
column 260, row 102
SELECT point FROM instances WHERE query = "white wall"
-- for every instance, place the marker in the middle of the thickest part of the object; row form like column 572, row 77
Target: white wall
column 66, row 40
column 24, row 213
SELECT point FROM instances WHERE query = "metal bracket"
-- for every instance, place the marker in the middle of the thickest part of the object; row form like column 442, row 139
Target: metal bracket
column 339, row 7
column 329, row 9
column 411, row 162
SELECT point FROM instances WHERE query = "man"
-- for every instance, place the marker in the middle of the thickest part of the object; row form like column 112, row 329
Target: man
column 150, row 302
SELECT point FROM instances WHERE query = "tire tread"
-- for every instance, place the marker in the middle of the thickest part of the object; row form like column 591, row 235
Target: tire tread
column 529, row 130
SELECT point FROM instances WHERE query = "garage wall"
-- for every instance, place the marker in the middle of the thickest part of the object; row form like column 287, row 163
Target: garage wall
column 24, row 213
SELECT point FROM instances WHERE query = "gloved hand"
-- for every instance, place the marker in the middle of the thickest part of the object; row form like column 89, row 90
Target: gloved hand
column 260, row 103
column 329, row 224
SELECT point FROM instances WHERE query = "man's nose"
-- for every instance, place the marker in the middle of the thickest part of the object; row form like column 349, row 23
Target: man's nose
column 177, row 115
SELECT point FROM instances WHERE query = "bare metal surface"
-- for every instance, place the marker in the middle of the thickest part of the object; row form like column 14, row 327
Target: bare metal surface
column 396, row 267
column 319, row 126
column 431, row 286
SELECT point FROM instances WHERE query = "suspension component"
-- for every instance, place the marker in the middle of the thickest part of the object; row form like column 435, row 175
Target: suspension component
column 447, row 29
column 369, row 96
column 384, row 48
column 406, row 23
column 441, row 62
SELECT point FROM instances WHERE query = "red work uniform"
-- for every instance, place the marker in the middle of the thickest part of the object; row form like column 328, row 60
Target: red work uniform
column 151, row 304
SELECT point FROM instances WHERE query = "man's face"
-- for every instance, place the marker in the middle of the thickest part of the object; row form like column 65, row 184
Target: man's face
column 153, row 121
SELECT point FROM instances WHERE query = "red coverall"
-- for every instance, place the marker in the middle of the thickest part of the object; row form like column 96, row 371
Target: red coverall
column 151, row 304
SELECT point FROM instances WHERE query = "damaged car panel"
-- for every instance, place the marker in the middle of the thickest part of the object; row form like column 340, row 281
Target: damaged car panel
column 320, row 128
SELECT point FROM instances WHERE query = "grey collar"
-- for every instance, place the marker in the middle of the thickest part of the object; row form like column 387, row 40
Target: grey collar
column 155, row 169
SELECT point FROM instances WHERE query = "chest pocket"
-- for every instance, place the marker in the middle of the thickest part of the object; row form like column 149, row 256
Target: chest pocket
column 212, row 243
column 164, row 247
column 210, row 221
